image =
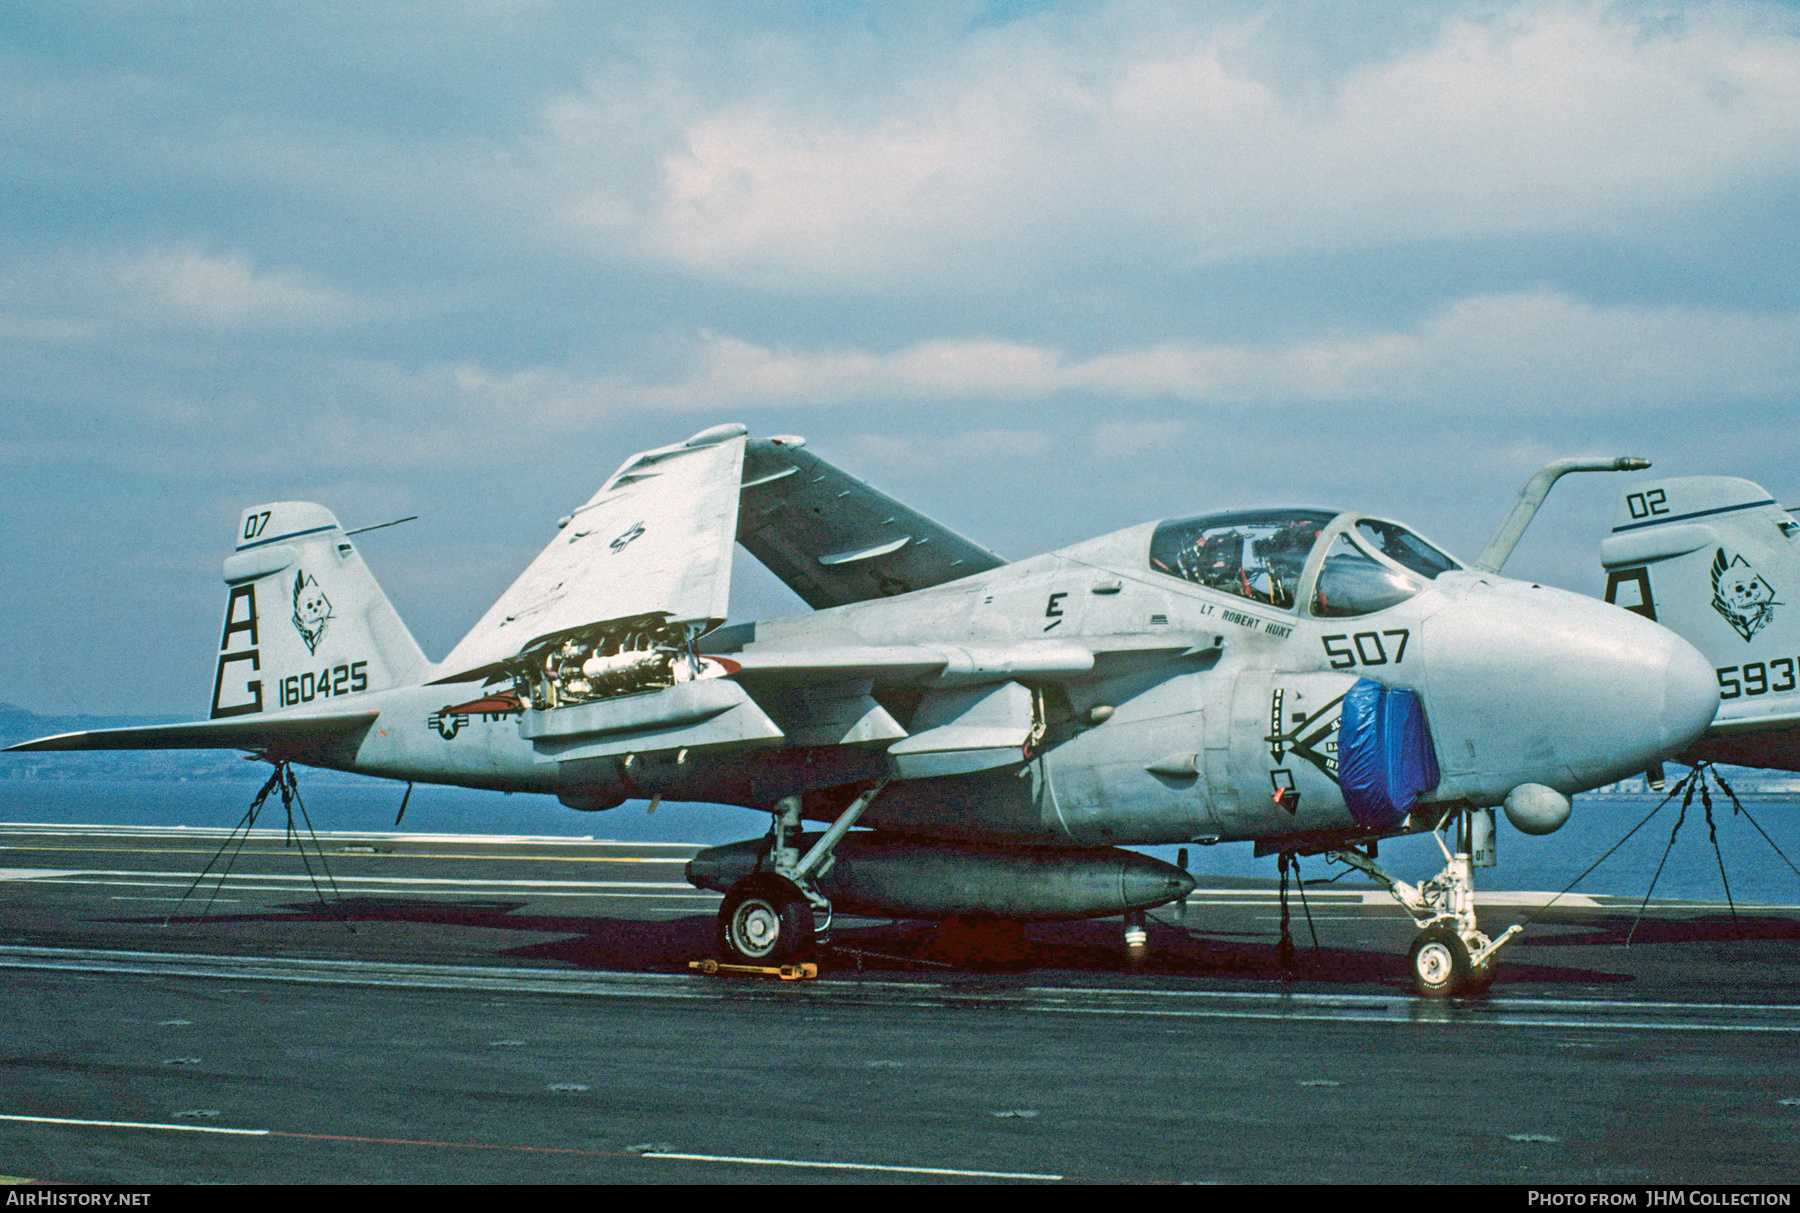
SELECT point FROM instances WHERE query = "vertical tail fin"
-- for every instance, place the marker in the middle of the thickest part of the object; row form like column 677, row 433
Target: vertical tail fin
column 1715, row 559
column 304, row 620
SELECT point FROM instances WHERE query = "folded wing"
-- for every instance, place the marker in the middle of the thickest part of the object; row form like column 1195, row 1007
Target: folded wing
column 650, row 551
column 834, row 540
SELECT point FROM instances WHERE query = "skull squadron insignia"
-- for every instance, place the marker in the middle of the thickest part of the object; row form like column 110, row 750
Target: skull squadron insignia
column 1742, row 599
column 312, row 611
column 1306, row 681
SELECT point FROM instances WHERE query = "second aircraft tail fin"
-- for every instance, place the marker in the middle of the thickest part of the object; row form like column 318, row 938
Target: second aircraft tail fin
column 1716, row 560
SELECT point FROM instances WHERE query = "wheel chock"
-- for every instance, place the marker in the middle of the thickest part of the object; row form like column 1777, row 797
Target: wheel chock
column 797, row 972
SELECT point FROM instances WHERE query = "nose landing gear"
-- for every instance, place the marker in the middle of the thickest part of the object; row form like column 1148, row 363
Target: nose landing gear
column 1450, row 957
column 1441, row 964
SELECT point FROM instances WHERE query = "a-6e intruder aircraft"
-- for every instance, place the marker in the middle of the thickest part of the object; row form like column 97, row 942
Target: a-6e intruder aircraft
column 1717, row 560
column 1305, row 680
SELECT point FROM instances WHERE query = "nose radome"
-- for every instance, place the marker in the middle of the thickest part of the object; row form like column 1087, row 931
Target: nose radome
column 1535, row 685
column 1690, row 695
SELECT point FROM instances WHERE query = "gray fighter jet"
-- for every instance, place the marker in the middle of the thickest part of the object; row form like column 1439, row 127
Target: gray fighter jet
column 1304, row 680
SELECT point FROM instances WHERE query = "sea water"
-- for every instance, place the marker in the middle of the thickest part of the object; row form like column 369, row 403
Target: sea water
column 1691, row 869
column 346, row 803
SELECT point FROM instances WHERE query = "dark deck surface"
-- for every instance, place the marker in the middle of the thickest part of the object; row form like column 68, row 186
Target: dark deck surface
column 516, row 1010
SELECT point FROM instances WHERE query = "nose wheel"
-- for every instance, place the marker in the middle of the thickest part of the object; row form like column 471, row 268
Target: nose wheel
column 1450, row 957
column 1442, row 965
column 1440, row 962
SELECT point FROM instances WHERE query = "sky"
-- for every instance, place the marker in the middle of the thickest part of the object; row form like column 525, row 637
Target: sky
column 1041, row 270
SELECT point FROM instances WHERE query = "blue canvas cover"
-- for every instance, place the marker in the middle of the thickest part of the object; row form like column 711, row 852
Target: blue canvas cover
column 1385, row 759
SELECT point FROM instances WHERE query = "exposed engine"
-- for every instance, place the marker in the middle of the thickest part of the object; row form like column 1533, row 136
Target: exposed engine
column 605, row 661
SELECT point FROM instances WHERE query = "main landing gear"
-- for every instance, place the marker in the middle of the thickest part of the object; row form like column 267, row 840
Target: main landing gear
column 765, row 920
column 1450, row 957
column 772, row 916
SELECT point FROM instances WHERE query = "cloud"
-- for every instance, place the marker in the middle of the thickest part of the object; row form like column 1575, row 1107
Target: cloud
column 1095, row 146
column 1126, row 440
column 1526, row 360
column 189, row 286
column 1111, row 142
column 87, row 296
column 1530, row 352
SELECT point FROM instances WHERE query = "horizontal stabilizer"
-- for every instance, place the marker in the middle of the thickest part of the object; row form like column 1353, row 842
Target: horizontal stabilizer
column 258, row 734
column 1771, row 741
column 833, row 540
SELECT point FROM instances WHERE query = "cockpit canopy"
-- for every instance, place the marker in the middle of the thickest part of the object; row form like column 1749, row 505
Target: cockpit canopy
column 1264, row 555
column 1255, row 554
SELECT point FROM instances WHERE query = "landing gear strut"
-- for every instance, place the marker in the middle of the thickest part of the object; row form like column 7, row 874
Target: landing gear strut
column 1450, row 957
column 772, row 916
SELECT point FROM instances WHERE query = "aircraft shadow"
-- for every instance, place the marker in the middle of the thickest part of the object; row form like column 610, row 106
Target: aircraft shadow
column 1614, row 930
column 637, row 945
column 594, row 943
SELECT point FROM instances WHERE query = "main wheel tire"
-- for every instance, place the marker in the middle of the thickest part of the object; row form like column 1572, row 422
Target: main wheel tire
column 1440, row 963
column 765, row 920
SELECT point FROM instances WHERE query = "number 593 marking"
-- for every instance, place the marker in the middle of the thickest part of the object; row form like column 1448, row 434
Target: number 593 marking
column 1756, row 678
column 1366, row 648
